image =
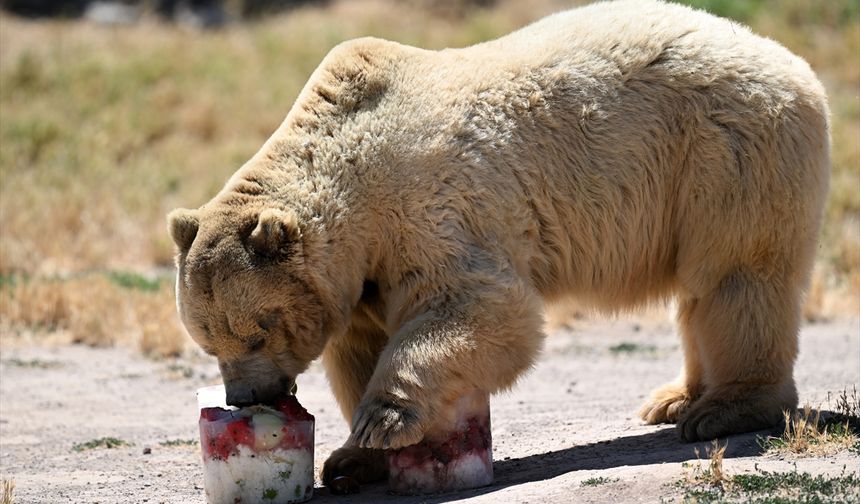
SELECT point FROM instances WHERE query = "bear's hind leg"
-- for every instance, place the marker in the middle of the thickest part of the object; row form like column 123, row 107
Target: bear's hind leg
column 668, row 402
column 746, row 331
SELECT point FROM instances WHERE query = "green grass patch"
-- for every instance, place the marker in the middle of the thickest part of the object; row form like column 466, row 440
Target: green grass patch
column 600, row 480
column 837, row 12
column 765, row 487
column 631, row 348
column 105, row 442
column 130, row 280
column 33, row 363
column 739, row 10
column 179, row 370
column 178, row 442
column 11, row 280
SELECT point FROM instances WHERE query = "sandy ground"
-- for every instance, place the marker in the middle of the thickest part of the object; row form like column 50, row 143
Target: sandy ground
column 571, row 419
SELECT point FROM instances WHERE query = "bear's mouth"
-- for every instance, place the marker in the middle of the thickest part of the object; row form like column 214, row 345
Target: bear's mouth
column 241, row 394
column 254, row 379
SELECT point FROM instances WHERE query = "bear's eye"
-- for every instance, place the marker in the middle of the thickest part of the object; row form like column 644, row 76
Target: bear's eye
column 256, row 344
column 269, row 321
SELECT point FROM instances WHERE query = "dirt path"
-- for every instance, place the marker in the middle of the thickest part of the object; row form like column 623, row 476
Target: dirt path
column 571, row 419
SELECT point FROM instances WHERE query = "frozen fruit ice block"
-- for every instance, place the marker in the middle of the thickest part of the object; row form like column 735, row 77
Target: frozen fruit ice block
column 255, row 454
column 454, row 455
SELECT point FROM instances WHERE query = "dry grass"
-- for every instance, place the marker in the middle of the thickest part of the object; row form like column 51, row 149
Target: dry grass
column 809, row 432
column 8, row 488
column 713, row 475
column 96, row 310
column 806, row 434
column 847, row 405
column 105, row 130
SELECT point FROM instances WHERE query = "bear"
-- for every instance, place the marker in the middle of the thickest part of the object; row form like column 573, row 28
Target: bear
column 416, row 208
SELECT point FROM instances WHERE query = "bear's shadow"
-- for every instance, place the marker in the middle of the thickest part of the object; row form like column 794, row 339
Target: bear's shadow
column 661, row 446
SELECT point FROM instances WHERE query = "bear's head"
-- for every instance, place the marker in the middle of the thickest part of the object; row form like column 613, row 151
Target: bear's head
column 246, row 296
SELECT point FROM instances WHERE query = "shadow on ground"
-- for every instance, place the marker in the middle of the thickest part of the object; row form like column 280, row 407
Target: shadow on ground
column 662, row 446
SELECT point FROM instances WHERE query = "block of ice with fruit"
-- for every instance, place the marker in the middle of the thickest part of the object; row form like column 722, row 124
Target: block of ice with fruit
column 255, row 454
column 455, row 454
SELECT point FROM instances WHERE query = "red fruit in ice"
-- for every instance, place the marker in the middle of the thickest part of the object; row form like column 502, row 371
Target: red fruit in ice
column 218, row 446
column 414, row 455
column 214, row 413
column 241, row 432
column 219, row 442
column 455, row 454
column 289, row 406
column 294, row 437
column 256, row 453
column 476, row 436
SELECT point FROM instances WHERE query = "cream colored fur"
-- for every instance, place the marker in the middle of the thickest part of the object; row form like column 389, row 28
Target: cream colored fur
column 416, row 207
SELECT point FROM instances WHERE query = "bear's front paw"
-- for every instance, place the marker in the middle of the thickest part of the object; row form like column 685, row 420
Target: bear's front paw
column 383, row 422
column 366, row 466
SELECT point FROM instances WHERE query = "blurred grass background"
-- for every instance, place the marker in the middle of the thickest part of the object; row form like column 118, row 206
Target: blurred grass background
column 103, row 130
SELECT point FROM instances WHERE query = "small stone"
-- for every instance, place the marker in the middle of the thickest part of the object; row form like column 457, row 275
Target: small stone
column 147, row 450
column 344, row 485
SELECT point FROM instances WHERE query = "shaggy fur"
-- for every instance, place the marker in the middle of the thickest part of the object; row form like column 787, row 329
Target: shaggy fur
column 416, row 207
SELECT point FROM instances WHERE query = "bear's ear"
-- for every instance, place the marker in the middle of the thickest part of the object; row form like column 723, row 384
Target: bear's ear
column 182, row 225
column 275, row 231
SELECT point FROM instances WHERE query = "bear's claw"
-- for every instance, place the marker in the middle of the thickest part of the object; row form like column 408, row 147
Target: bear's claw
column 365, row 466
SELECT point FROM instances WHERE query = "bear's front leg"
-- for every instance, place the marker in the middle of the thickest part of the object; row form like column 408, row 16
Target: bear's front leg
column 483, row 338
column 350, row 360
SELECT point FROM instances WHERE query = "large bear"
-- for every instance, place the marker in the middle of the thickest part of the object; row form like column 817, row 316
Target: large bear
column 414, row 210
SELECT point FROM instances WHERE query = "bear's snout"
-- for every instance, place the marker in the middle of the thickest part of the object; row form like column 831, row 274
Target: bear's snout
column 253, row 380
column 240, row 396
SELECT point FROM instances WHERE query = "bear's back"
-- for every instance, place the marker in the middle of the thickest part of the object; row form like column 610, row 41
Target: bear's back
column 627, row 38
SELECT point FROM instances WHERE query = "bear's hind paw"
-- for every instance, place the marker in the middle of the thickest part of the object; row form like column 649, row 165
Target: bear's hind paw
column 713, row 416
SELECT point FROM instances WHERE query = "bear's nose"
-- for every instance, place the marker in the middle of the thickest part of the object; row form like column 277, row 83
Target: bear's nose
column 241, row 396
